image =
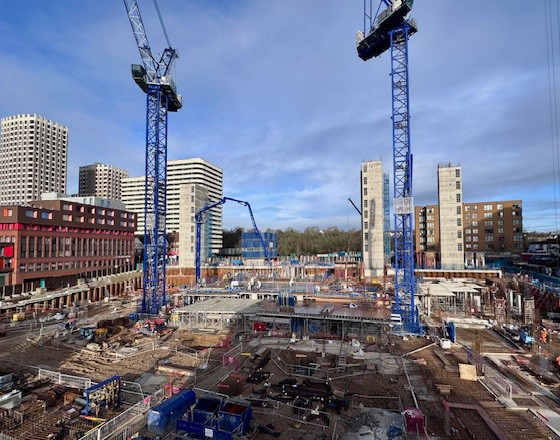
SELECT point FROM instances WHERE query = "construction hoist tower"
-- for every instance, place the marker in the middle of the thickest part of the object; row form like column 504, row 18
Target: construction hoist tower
column 389, row 29
column 154, row 78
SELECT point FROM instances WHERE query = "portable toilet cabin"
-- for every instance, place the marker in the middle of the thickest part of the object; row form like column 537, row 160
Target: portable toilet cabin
column 233, row 420
column 162, row 418
column 202, row 419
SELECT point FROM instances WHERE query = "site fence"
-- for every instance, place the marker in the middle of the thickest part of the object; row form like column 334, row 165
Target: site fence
column 126, row 352
column 81, row 383
column 127, row 423
column 297, row 414
column 231, row 357
column 388, row 403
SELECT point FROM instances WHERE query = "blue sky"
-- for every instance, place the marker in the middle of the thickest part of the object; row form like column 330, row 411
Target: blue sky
column 276, row 95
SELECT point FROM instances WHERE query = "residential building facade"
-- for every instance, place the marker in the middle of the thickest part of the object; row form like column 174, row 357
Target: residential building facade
column 491, row 227
column 371, row 185
column 450, row 200
column 101, row 180
column 54, row 239
column 33, row 158
column 179, row 173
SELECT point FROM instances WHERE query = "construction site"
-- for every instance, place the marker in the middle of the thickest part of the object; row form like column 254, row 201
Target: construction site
column 307, row 348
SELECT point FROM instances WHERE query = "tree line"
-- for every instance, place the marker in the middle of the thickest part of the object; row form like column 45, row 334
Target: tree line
column 310, row 241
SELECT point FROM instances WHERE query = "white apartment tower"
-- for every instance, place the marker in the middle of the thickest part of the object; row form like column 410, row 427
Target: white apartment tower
column 371, row 183
column 179, row 173
column 33, row 158
column 101, row 180
column 192, row 199
column 450, row 200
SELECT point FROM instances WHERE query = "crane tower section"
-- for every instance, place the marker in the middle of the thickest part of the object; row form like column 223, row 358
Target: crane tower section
column 153, row 76
column 389, row 29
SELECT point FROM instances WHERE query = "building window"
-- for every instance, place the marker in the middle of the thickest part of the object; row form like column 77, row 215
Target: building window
column 500, row 223
column 500, row 230
column 468, row 215
column 365, row 203
column 475, row 215
column 475, row 246
column 366, row 236
column 365, row 180
column 458, row 198
column 489, row 238
column 366, row 247
column 487, row 215
column 459, row 234
column 458, row 210
column 488, row 207
column 467, row 231
column 457, row 173
column 365, row 225
column 468, row 238
column 488, row 223
column 517, row 222
column 365, row 191
column 67, row 218
column 467, row 208
column 46, row 215
column 30, row 213
column 458, row 184
column 518, row 238
column 458, row 222
column 468, row 246
column 7, row 212
column 365, row 214
column 499, row 206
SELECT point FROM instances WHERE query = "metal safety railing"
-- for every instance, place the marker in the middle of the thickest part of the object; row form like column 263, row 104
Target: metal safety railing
column 81, row 383
column 500, row 386
column 127, row 423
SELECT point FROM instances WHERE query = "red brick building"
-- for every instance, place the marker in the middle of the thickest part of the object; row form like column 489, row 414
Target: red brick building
column 51, row 243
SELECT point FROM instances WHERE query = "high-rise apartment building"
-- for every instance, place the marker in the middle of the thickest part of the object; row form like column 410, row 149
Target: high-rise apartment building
column 487, row 227
column 101, row 180
column 33, row 158
column 450, row 200
column 180, row 172
column 371, row 184
column 193, row 198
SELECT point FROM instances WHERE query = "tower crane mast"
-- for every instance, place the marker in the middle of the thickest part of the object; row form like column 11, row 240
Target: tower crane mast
column 153, row 76
column 390, row 29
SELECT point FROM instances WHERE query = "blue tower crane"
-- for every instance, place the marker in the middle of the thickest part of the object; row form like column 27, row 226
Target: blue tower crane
column 389, row 29
column 153, row 76
column 198, row 220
